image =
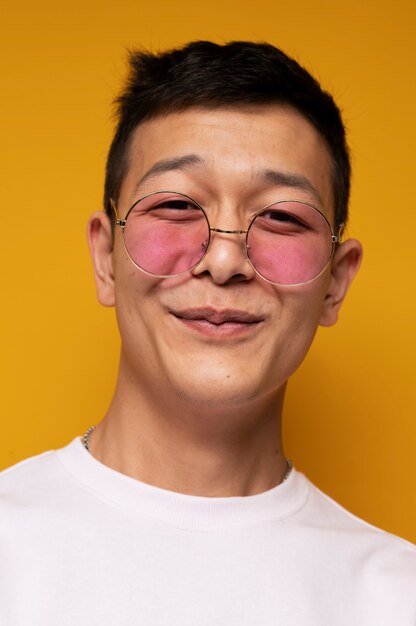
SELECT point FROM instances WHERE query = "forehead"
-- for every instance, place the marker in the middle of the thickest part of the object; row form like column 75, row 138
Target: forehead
column 231, row 150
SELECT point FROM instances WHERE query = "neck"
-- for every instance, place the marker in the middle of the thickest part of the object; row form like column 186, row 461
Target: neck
column 192, row 448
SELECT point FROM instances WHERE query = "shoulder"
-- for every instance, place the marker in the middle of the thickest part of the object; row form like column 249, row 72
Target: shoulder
column 34, row 481
column 328, row 511
column 29, row 470
column 373, row 552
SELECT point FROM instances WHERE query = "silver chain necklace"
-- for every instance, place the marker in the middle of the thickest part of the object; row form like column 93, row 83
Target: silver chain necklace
column 86, row 444
column 86, row 437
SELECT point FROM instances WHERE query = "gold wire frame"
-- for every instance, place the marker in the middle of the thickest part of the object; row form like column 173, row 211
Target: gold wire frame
column 335, row 239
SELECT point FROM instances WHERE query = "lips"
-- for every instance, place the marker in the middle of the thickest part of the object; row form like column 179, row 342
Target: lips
column 218, row 324
column 217, row 317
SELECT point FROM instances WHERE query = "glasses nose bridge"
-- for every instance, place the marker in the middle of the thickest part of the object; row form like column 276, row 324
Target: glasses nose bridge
column 224, row 231
column 228, row 232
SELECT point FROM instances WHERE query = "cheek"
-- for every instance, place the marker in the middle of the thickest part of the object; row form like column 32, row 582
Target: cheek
column 302, row 307
column 133, row 291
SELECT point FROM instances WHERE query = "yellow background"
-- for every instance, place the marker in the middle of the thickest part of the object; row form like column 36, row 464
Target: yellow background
column 350, row 415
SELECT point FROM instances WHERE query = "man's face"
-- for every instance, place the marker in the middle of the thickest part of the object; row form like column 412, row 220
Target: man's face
column 221, row 333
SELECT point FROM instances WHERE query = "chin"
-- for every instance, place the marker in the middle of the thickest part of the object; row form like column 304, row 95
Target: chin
column 219, row 388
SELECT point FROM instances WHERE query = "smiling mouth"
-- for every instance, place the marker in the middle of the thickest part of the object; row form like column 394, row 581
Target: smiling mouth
column 218, row 323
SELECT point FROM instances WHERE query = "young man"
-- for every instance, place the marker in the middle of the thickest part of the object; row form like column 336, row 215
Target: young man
column 221, row 249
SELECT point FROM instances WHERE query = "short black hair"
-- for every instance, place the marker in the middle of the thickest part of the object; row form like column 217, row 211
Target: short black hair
column 210, row 75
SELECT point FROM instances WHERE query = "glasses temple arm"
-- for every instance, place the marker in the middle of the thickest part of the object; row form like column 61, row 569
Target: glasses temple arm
column 339, row 238
column 117, row 220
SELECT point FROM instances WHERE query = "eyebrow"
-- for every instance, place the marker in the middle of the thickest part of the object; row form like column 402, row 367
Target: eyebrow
column 284, row 179
column 170, row 165
column 270, row 176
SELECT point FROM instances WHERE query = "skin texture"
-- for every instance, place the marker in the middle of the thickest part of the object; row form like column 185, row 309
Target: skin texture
column 197, row 408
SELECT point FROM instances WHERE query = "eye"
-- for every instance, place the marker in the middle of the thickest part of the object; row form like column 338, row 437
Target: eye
column 281, row 217
column 175, row 205
column 174, row 210
column 280, row 222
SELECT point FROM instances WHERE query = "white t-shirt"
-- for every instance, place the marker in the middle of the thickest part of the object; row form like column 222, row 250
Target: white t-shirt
column 81, row 544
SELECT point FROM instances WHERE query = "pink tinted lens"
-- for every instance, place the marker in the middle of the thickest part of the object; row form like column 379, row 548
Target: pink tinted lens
column 166, row 234
column 289, row 243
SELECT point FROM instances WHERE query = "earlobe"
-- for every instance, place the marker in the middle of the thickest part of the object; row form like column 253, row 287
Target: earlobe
column 100, row 242
column 345, row 264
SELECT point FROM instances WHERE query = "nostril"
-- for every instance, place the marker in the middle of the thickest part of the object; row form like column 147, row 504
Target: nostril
column 237, row 278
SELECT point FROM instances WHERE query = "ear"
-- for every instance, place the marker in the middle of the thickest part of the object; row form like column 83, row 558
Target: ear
column 344, row 266
column 100, row 241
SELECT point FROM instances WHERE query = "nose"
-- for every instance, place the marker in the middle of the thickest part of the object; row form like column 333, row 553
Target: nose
column 226, row 259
